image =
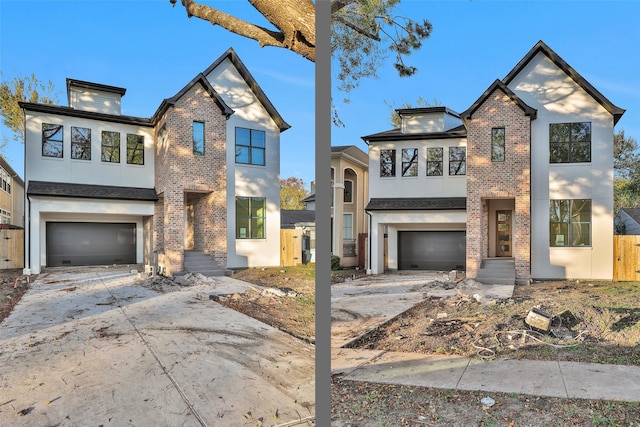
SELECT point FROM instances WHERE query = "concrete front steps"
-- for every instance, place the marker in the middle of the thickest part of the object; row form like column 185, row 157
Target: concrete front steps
column 497, row 271
column 202, row 263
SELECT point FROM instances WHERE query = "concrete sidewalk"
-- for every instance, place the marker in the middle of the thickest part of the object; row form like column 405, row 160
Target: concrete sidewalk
column 538, row 378
column 96, row 347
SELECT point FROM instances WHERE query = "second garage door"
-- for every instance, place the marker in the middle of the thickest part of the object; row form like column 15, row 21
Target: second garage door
column 89, row 243
column 432, row 250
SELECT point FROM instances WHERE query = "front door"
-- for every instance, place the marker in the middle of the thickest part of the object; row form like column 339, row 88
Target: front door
column 503, row 234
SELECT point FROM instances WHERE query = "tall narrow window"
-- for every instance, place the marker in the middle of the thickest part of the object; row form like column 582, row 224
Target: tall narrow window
column 387, row 163
column 409, row 162
column 250, row 146
column 570, row 142
column 80, row 143
column 434, row 161
column 51, row 140
column 457, row 160
column 497, row 145
column 135, row 149
column 348, row 191
column 110, row 146
column 347, row 226
column 570, row 222
column 250, row 217
column 198, row 138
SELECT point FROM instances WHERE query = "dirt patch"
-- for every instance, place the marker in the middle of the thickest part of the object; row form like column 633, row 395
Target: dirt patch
column 287, row 301
column 13, row 286
column 592, row 322
column 361, row 404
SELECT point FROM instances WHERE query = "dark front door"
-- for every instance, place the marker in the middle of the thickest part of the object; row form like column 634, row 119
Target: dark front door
column 504, row 241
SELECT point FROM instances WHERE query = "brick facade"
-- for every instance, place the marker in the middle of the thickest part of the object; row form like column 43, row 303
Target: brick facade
column 186, row 179
column 487, row 180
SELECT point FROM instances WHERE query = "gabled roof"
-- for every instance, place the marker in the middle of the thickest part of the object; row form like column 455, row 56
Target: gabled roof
column 634, row 213
column 396, row 134
column 416, row 203
column 289, row 217
column 310, row 198
column 497, row 84
column 252, row 83
column 89, row 191
column 200, row 78
column 617, row 112
column 351, row 151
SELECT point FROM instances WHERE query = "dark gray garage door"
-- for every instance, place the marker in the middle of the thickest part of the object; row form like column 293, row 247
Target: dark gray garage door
column 90, row 243
column 431, row 250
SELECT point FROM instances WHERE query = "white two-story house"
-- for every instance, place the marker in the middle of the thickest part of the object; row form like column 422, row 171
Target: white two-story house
column 201, row 176
column 524, row 176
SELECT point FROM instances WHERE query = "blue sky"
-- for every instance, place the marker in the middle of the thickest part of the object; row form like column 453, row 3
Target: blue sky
column 152, row 49
column 475, row 42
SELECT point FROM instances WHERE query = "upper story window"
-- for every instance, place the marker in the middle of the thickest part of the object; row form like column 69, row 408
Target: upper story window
column 497, row 145
column 434, row 161
column 348, row 191
column 198, row 138
column 135, row 149
column 570, row 142
column 409, row 162
column 387, row 163
column 457, row 160
column 110, row 146
column 250, row 217
column 52, row 140
column 80, row 143
column 570, row 222
column 250, row 146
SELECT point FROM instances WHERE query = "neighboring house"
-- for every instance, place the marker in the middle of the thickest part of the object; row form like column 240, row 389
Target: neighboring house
column 302, row 223
column 525, row 175
column 200, row 176
column 627, row 221
column 11, row 196
column 350, row 193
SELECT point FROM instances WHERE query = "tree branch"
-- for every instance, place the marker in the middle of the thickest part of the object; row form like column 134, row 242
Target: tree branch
column 356, row 28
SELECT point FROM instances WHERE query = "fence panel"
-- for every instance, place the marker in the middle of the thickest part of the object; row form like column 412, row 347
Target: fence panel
column 11, row 248
column 626, row 258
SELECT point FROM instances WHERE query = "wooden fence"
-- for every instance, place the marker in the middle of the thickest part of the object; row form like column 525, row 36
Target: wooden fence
column 290, row 247
column 626, row 258
column 11, row 248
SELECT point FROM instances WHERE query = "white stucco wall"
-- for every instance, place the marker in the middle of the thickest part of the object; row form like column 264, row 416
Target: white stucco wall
column 559, row 99
column 421, row 185
column 51, row 209
column 250, row 180
column 94, row 171
column 94, row 100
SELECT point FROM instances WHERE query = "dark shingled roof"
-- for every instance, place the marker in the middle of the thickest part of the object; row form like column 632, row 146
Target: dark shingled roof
column 396, row 134
column 291, row 217
column 89, row 191
column 498, row 85
column 633, row 213
column 417, row 203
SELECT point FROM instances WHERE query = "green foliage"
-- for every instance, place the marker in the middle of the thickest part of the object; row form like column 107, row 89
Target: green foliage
column 335, row 262
column 22, row 89
column 364, row 32
column 394, row 117
column 626, row 167
column 292, row 193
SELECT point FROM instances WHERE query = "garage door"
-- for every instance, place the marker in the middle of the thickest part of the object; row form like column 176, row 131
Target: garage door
column 88, row 243
column 431, row 250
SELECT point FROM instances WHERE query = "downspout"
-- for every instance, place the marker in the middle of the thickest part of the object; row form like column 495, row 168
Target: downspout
column 368, row 269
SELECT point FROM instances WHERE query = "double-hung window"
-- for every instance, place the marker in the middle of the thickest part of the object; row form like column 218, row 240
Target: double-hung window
column 110, row 146
column 80, row 143
column 457, row 160
column 387, row 163
column 570, row 142
column 409, row 162
column 250, row 146
column 434, row 161
column 250, row 217
column 135, row 149
column 570, row 222
column 52, row 140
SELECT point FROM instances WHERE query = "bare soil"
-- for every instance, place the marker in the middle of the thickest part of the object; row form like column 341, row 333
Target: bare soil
column 288, row 302
column 596, row 322
column 13, row 286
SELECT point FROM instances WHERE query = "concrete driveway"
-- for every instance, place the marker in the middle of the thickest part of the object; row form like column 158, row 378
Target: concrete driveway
column 97, row 347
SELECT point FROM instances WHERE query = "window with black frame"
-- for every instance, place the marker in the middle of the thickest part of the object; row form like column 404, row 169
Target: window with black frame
column 570, row 142
column 250, row 146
